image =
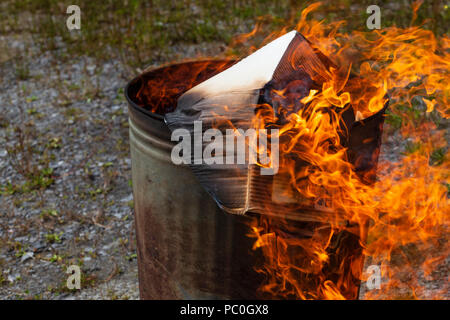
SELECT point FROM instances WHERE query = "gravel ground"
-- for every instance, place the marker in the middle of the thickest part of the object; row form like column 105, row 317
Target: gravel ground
column 66, row 125
column 65, row 175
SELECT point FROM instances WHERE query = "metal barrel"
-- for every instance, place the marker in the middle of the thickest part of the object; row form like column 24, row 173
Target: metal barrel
column 187, row 247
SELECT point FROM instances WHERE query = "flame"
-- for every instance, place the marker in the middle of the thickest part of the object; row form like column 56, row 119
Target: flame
column 408, row 203
column 153, row 89
column 377, row 221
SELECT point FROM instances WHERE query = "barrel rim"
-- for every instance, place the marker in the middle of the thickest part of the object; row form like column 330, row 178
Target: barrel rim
column 151, row 114
column 160, row 117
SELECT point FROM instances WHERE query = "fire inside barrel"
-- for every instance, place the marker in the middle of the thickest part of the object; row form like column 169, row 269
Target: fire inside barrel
column 160, row 92
column 278, row 87
column 273, row 89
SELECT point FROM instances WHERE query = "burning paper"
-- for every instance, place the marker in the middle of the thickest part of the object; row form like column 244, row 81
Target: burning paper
column 228, row 130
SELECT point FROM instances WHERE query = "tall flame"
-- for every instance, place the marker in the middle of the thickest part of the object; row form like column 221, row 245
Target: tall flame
column 408, row 205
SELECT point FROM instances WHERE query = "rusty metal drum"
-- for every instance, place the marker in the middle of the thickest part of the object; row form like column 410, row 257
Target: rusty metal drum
column 187, row 247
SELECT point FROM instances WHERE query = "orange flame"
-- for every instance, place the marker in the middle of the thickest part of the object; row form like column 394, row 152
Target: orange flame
column 408, row 205
column 389, row 222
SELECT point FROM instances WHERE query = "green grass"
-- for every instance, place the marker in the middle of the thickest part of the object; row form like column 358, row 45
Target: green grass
column 412, row 147
column 438, row 156
column 394, row 120
column 53, row 237
column 35, row 180
column 48, row 213
column 22, row 72
column 144, row 31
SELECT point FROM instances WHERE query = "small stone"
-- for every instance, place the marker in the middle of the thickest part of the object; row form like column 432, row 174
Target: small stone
column 127, row 198
column 39, row 246
column 13, row 278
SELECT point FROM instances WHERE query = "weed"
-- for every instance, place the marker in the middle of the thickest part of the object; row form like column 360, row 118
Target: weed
column 148, row 29
column 393, row 120
column 53, row 143
column 131, row 204
column 56, row 258
column 131, row 257
column 53, row 237
column 3, row 279
column 412, row 147
column 48, row 213
column 32, row 111
column 22, row 72
column 31, row 99
column 438, row 156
